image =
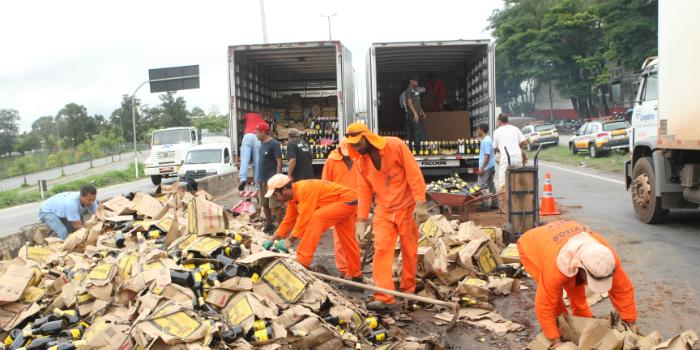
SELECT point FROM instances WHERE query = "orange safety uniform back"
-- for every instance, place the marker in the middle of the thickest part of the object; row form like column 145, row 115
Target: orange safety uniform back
column 336, row 171
column 539, row 248
column 398, row 184
column 310, row 195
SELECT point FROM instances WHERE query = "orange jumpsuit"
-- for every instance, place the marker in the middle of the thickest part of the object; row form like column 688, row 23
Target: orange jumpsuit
column 316, row 206
column 398, row 186
column 538, row 250
column 336, row 171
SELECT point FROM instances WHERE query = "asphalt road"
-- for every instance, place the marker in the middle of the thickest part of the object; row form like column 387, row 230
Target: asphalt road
column 16, row 217
column 104, row 164
column 661, row 260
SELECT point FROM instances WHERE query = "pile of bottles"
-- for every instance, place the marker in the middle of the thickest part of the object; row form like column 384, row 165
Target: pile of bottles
column 317, row 151
column 435, row 148
column 395, row 133
column 60, row 330
column 454, row 184
column 371, row 327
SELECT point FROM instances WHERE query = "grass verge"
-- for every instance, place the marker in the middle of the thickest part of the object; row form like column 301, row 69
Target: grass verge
column 612, row 161
column 23, row 195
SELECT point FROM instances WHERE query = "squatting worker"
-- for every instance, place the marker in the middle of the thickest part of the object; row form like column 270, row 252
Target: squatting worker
column 64, row 212
column 270, row 164
column 250, row 145
column 339, row 168
column 415, row 117
column 313, row 206
column 565, row 255
column 386, row 169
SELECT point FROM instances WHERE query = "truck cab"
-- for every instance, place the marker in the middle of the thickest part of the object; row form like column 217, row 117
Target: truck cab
column 168, row 150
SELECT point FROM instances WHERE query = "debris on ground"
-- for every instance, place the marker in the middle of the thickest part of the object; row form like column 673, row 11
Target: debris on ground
column 175, row 271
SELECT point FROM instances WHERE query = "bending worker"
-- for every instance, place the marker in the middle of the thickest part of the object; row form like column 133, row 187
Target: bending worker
column 565, row 255
column 339, row 169
column 63, row 212
column 313, row 206
column 386, row 168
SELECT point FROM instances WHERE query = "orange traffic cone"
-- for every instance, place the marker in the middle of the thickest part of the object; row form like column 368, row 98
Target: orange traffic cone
column 548, row 206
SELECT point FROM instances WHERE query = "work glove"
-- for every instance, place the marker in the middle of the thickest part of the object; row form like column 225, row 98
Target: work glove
column 281, row 245
column 420, row 213
column 267, row 244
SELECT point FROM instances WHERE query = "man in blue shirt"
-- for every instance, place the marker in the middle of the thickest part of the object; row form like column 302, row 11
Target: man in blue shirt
column 487, row 165
column 64, row 211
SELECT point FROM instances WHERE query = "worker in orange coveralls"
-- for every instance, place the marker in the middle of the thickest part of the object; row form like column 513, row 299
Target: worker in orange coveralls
column 339, row 169
column 387, row 169
column 313, row 206
column 565, row 255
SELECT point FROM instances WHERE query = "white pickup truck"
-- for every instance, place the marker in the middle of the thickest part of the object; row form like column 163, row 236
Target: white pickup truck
column 207, row 160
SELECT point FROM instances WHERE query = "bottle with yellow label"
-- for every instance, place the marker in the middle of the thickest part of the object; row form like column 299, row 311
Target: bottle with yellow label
column 378, row 336
column 261, row 335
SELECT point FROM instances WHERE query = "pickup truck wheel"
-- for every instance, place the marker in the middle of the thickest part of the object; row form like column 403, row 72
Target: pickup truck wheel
column 592, row 151
column 647, row 206
column 573, row 149
column 156, row 179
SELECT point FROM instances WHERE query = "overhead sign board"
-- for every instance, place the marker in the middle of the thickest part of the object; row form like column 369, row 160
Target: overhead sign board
column 174, row 78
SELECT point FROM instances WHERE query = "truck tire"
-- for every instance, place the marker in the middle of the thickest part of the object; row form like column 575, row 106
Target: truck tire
column 573, row 149
column 156, row 179
column 647, row 206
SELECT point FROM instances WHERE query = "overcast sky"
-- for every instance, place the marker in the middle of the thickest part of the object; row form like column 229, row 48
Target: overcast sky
column 92, row 52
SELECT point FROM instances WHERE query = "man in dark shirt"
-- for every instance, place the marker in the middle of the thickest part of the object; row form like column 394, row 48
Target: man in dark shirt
column 415, row 117
column 299, row 157
column 270, row 159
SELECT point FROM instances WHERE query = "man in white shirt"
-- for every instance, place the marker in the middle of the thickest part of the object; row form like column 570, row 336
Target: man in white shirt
column 508, row 137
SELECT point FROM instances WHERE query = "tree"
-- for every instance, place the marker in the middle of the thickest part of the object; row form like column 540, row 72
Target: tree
column 27, row 141
column 213, row 124
column 122, row 120
column 630, row 30
column 91, row 148
column 196, row 111
column 45, row 129
column 24, row 165
column 9, row 128
column 58, row 159
column 174, row 110
column 75, row 125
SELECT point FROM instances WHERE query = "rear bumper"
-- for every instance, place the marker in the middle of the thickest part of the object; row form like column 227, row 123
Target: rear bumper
column 614, row 144
column 546, row 141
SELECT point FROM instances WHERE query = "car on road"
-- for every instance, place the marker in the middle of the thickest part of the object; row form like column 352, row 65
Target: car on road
column 542, row 134
column 207, row 160
column 600, row 136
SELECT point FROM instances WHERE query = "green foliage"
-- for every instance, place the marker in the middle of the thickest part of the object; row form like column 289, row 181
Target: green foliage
column 9, row 128
column 573, row 43
column 45, row 129
column 26, row 142
column 612, row 161
column 213, row 124
column 24, row 165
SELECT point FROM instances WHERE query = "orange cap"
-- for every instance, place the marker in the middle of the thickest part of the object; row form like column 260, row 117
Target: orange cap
column 356, row 131
column 275, row 182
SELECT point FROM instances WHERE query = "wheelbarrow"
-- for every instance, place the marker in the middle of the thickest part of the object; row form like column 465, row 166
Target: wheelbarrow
column 457, row 204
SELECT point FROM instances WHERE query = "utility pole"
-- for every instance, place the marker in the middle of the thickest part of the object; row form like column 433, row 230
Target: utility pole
column 262, row 21
column 328, row 17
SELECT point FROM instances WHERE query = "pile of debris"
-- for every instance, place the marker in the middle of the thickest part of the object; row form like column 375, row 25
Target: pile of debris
column 609, row 334
column 469, row 265
column 175, row 272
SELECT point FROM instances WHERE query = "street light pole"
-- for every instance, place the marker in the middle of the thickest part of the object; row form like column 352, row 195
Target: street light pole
column 133, row 112
column 262, row 21
column 328, row 17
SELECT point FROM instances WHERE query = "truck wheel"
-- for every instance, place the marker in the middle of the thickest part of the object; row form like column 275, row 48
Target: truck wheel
column 573, row 149
column 592, row 151
column 647, row 206
column 156, row 179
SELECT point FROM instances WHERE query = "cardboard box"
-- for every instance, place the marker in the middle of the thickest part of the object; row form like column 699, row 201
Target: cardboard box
column 447, row 126
column 480, row 255
column 510, row 254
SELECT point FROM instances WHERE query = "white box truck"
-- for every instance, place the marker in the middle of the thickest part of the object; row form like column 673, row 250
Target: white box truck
column 168, row 150
column 467, row 68
column 268, row 77
column 664, row 170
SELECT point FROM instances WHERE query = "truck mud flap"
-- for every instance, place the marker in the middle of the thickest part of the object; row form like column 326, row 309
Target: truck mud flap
column 628, row 174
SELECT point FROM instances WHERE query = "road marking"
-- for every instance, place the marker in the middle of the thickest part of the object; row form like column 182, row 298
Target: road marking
column 585, row 174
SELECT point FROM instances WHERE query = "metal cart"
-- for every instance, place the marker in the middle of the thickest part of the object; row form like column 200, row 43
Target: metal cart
column 457, row 204
column 522, row 188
